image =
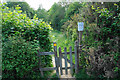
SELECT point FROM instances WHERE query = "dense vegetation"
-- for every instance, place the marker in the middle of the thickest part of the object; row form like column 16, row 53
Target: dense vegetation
column 0, row 43
column 22, row 37
column 24, row 7
column 100, row 36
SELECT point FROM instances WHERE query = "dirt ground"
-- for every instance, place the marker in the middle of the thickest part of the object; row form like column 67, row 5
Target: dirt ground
column 63, row 65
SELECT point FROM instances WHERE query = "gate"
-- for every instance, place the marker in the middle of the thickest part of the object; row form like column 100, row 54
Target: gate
column 58, row 59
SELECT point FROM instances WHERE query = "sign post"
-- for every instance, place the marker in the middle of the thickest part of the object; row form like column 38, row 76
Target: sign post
column 80, row 29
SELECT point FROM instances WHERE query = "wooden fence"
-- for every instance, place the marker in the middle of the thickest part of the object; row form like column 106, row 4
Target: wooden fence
column 58, row 59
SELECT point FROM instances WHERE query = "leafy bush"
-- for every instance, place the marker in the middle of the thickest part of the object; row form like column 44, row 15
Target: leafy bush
column 19, row 58
column 25, row 7
column 101, row 33
column 22, row 37
column 82, row 75
column 106, row 63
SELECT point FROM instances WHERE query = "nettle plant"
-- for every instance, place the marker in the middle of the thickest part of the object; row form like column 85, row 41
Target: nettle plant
column 22, row 37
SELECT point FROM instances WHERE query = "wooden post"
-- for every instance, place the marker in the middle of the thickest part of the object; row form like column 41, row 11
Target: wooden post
column 40, row 68
column 80, row 37
column 40, row 65
column 60, row 58
column 71, row 66
column 76, row 57
column 80, row 29
column 80, row 46
column 65, row 50
column 56, row 58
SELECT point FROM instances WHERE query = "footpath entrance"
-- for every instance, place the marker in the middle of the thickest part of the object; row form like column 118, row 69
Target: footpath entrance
column 59, row 56
column 63, row 55
column 58, row 60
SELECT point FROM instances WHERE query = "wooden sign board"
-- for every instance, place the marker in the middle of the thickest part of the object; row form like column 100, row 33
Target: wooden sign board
column 80, row 26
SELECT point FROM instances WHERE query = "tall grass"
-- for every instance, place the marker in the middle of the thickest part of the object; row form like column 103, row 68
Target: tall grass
column 61, row 40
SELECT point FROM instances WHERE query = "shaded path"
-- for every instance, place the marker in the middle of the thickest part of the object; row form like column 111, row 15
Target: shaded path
column 63, row 65
column 61, row 41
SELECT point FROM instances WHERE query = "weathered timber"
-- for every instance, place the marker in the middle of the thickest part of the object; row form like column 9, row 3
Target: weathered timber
column 60, row 59
column 65, row 50
column 68, row 52
column 76, row 59
column 67, row 67
column 68, row 60
column 71, row 66
column 56, row 58
column 46, row 53
column 48, row 69
column 40, row 65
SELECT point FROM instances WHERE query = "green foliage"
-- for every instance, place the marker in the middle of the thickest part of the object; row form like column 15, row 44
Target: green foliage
column 0, row 41
column 16, row 23
column 72, row 9
column 42, row 13
column 56, row 14
column 24, row 7
column 61, row 40
column 19, row 58
column 101, row 33
column 106, row 37
column 70, row 27
column 54, row 77
column 22, row 37
column 82, row 75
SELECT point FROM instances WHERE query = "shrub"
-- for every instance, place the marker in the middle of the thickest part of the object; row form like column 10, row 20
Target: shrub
column 82, row 75
column 22, row 37
column 19, row 57
column 102, row 35
column 106, row 63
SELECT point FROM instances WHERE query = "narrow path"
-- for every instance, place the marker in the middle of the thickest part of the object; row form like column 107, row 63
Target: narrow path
column 63, row 65
column 61, row 41
column 64, row 75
